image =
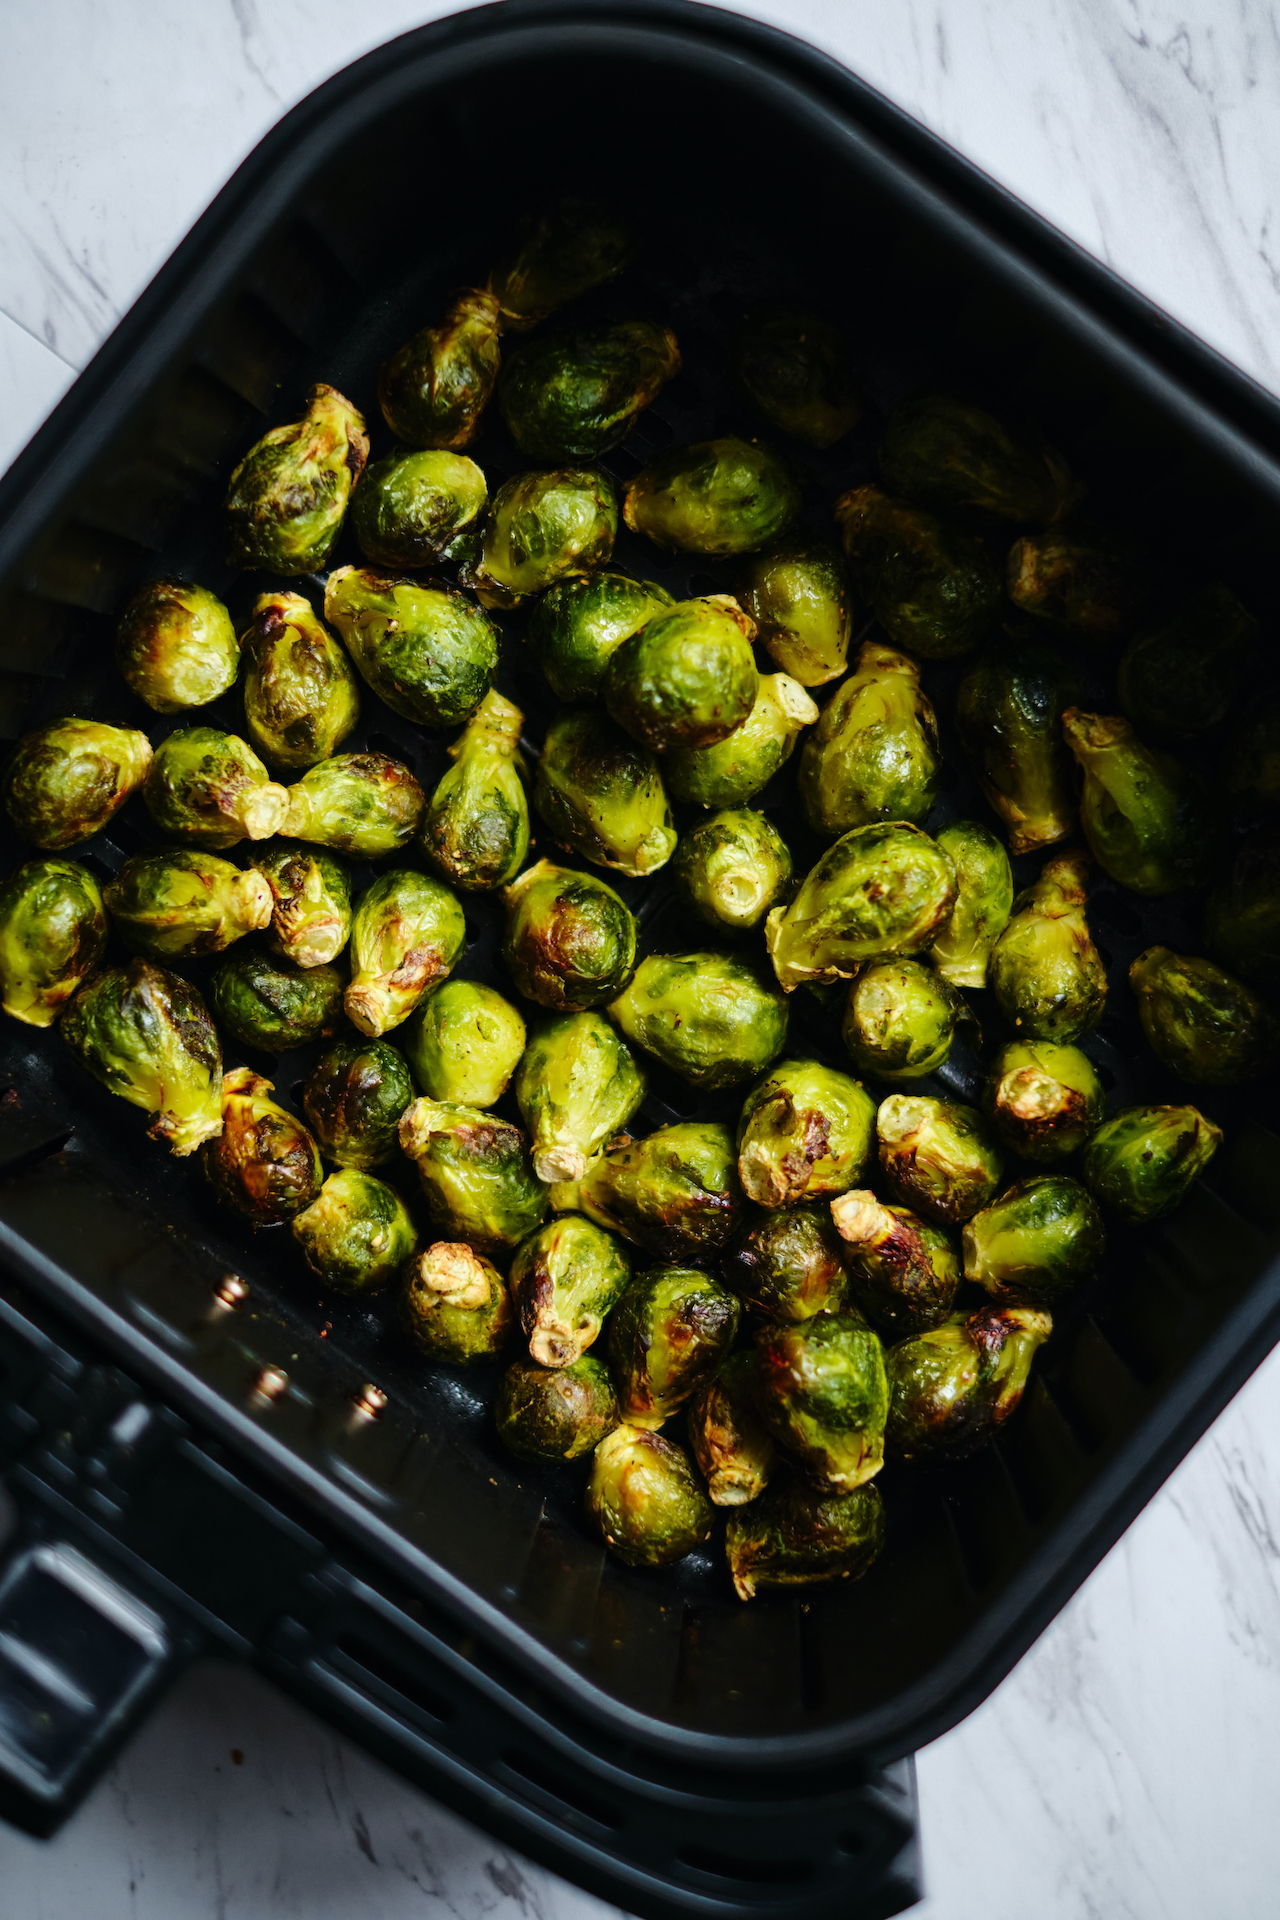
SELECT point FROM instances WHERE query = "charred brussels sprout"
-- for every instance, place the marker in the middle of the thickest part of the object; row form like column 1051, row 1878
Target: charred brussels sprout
column 601, row 796
column 428, row 652
column 900, row 1019
column 475, row 1172
column 406, row 933
column 1092, row 584
column 358, row 803
column 1242, row 918
column 540, row 527
column 675, row 1194
column 411, row 507
column 454, row 1305
column 264, row 1163
column 729, row 1440
column 570, row 942
column 932, row 586
column 667, row 1336
column 311, row 921
column 147, row 1036
column 1151, row 823
column 572, row 396
column 1143, row 1162
column 355, row 1096
column 556, row 1413
column 1046, row 1100
column 560, row 253
column 874, row 752
column 644, row 1499
column 1047, row 975
column 734, row 770
column 1180, row 677
column 301, row 698
column 903, row 1273
column 1207, row 1027
column 1036, row 1242
column 732, row 870
column 708, row 1017
column 688, row 678
column 799, row 598
column 804, row 1132
column 53, row 929
column 948, row 453
column 821, row 1389
column 463, row 1043
column 210, row 786
column 356, row 1234
column 797, row 1536
column 289, row 494
column 950, row 1388
column 715, row 496
column 878, row 890
column 788, row 1265
column 578, row 625
column 576, row 1086
column 962, row 951
column 67, row 780
column 176, row 646
column 178, row 900
column 433, row 390
column 263, row 1003
column 792, row 364
column 940, row 1158
column 1250, row 765
column 476, row 829
column 1009, row 710
column 564, row 1279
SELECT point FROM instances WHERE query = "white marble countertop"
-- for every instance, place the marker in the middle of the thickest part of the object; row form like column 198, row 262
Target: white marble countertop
column 1126, row 1769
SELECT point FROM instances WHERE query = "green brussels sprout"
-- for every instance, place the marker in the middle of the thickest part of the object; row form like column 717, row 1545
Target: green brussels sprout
column 1250, row 764
column 406, row 933
column 572, row 396
column 736, row 769
column 822, row 1392
column 176, row 646
column 900, row 1019
column 65, row 781
column 1046, row 973
column 454, row 1305
column 687, row 678
column 729, row 1440
column 713, row 496
column 797, row 1536
column 360, row 803
column 475, row 832
column 939, row 1157
column 540, row 527
column 428, row 652
column 556, row 1413
column 412, row 506
column 1045, row 1100
column 951, row 1387
column 644, row 1499
column 559, row 254
column 932, row 586
column 577, row 626
column 1180, row 677
column 356, row 1235
column 798, row 595
column 264, row 1164
column 179, row 900
column 1009, row 711
column 1036, row 1242
column 565, row 1278
column 273, row 1006
column 962, row 951
column 879, row 890
column 354, row 1098
column 1093, row 584
column 874, row 753
column 903, row 1273
column 675, row 1194
column 311, row 921
column 463, row 1042
column 667, row 1336
column 788, row 1265
column 732, row 869
column 1242, row 916
column 433, row 390
column 288, row 496
column 301, row 698
column 710, row 1018
column 792, row 363
column 53, row 928
column 1204, row 1025
column 1151, row 823
column 570, row 942
column 577, row 1085
column 1143, row 1162
column 210, row 786
column 948, row 453
column 601, row 796
column 146, row 1035
column 475, row 1171
column 805, row 1131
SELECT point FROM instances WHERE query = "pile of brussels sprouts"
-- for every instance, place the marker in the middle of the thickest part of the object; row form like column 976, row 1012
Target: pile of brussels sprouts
column 842, row 1278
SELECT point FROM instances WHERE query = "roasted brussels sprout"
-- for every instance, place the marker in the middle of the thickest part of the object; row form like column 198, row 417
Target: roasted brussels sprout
column 475, row 833
column 463, row 1043
column 1205, row 1026
column 675, row 1194
column 932, row 586
column 900, row 1019
column 732, row 869
column 354, row 1098
column 601, row 796
column 572, row 396
column 798, row 1536
column 1250, row 765
column 874, row 752
column 951, row 1387
column 792, row 363
column 475, row 1172
column 576, row 1086
column 736, row 769
column 710, row 1018
column 1036, row 1242
column 821, row 1389
column 1180, row 677
column 1151, row 823
column 729, row 1440
column 570, row 942
column 715, row 496
column 67, row 780
column 540, row 527
column 176, row 646
column 940, row 1158
column 556, row 1413
column 301, row 698
column 311, row 923
column 565, row 1278
column 180, row 900
column 210, row 786
column 53, row 929
column 356, row 1234
column 412, row 506
column 454, row 1305
column 948, row 453
column 667, row 1336
column 275, row 1005
column 358, row 803
column 1009, row 711
column 147, row 1036
column 428, row 652
column 1046, row 973
column 903, row 1273
column 1046, row 1100
column 577, row 626
column 644, row 1499
column 798, row 595
column 1143, row 1162
column 984, row 879
column 406, row 933
column 805, row 1131
column 560, row 253
column 1093, row 584
column 687, row 678
column 288, row 496
column 1242, row 916
column 788, row 1265
column 264, row 1163
column 878, row 890
column 433, row 390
